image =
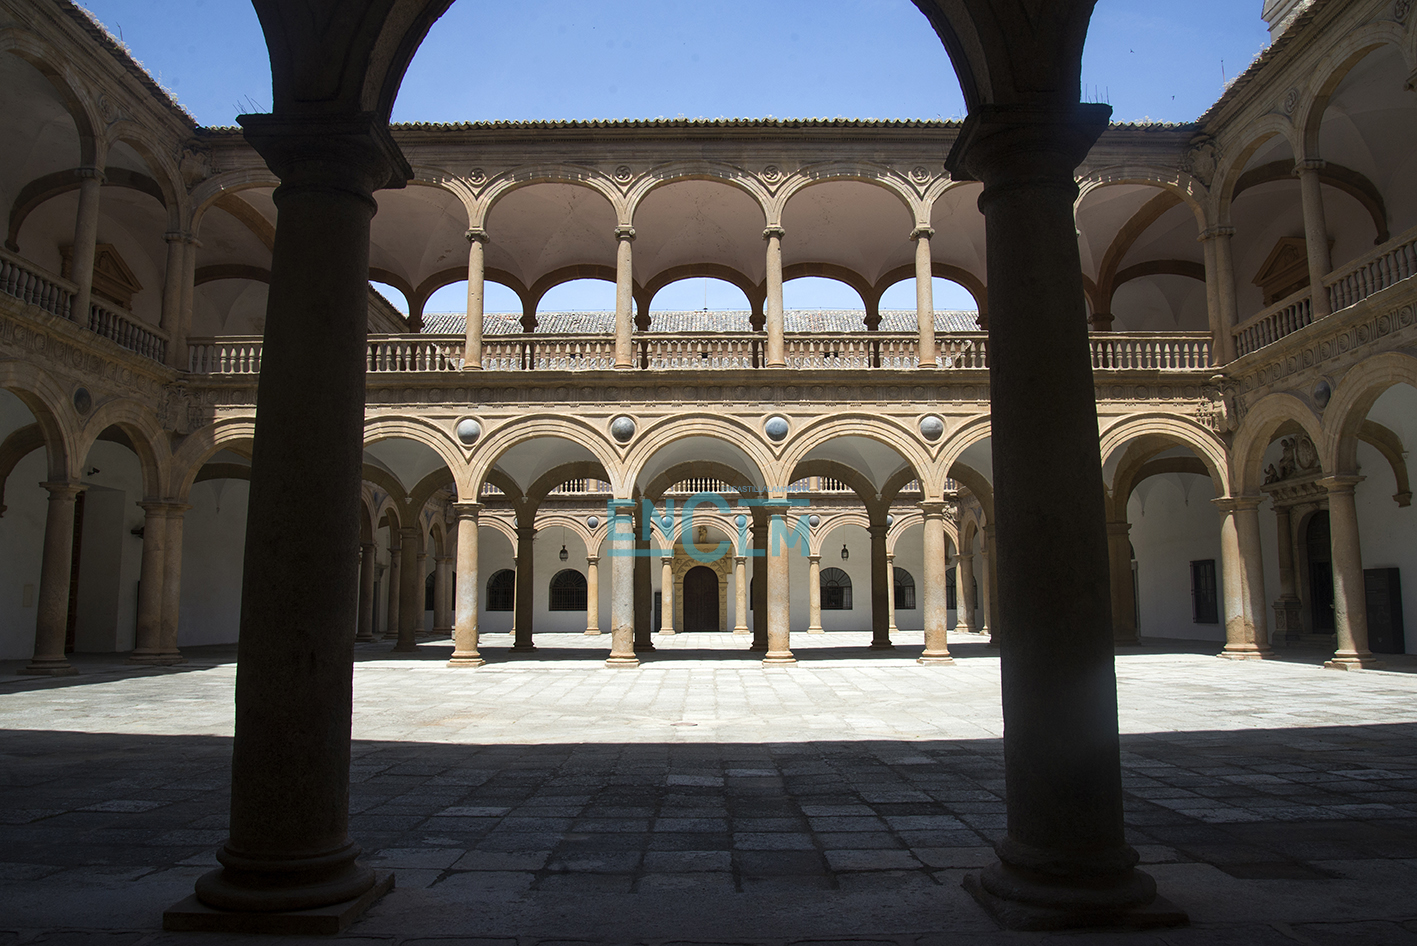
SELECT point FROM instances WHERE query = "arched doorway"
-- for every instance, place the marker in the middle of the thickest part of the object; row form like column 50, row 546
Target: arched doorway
column 1320, row 556
column 700, row 599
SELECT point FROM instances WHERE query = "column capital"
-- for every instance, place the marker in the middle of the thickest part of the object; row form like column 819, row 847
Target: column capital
column 174, row 236
column 618, row 507
column 592, row 560
column 934, row 510
column 1036, row 144
column 466, row 510
column 367, row 547
column 1309, row 164
column 352, row 153
column 526, row 532
column 811, row 559
column 1341, row 483
column 878, row 530
column 625, row 232
column 1237, row 503
column 1215, row 233
column 61, row 490
column 91, row 174
column 1119, row 528
column 890, row 557
column 965, row 556
column 476, row 235
column 922, row 233
column 409, row 532
column 774, row 231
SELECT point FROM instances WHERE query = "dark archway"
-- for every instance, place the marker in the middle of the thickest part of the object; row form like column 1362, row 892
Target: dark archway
column 701, row 599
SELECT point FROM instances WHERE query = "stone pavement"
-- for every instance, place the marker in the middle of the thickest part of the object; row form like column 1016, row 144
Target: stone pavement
column 705, row 799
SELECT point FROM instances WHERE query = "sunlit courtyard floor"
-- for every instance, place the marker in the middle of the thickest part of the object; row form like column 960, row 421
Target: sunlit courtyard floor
column 704, row 799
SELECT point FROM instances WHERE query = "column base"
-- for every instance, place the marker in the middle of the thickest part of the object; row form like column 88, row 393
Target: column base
column 466, row 660
column 592, row 632
column 1353, row 662
column 50, row 667
column 523, row 648
column 363, row 640
column 810, row 630
column 194, row 916
column 645, row 648
column 779, row 658
column 934, row 659
column 1246, row 652
column 758, row 648
column 667, row 631
column 405, row 647
column 882, row 645
column 1044, row 907
column 622, row 663
column 742, row 631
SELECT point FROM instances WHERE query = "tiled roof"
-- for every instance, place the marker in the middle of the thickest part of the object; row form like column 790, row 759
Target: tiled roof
column 120, row 51
column 1238, row 85
column 603, row 323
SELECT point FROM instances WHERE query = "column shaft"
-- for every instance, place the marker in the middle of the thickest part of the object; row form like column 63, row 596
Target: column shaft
column 880, row 589
column 1119, row 555
column 56, row 569
column 1288, row 610
column 890, row 594
column 1315, row 233
column 740, row 593
column 1225, row 277
column 1242, row 579
column 172, row 587
column 624, row 298
column 759, row 587
column 442, row 612
column 779, row 599
column 964, row 594
column 172, row 279
column 410, row 590
column 472, row 346
column 1350, row 597
column 367, row 553
column 925, row 297
column 467, row 588
column 592, row 595
column 148, row 641
column 183, row 327
column 814, row 595
column 933, row 599
column 391, row 617
column 1219, row 330
column 666, row 596
column 622, row 584
column 85, row 243
column 525, row 588
column 772, row 306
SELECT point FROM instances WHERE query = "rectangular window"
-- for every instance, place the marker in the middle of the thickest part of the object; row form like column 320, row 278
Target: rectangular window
column 1205, row 602
column 951, row 601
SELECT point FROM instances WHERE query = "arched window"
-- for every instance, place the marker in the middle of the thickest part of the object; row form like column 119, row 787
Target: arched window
column 502, row 591
column 836, row 590
column 904, row 590
column 568, row 591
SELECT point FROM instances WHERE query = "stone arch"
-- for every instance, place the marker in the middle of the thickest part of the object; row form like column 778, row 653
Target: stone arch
column 717, row 469
column 431, row 435
column 1230, row 171
column 681, row 172
column 903, row 440
column 515, row 180
column 955, row 274
column 1334, row 68
column 865, row 491
column 1184, row 432
column 202, row 444
column 156, row 156
column 646, row 293
column 50, row 408
column 1257, row 431
column 1190, row 190
column 142, row 429
column 712, row 426
column 501, row 527
column 542, row 486
column 60, row 74
column 1354, row 398
column 560, row 520
column 827, row 172
column 973, row 431
column 206, row 194
column 818, row 540
column 496, row 443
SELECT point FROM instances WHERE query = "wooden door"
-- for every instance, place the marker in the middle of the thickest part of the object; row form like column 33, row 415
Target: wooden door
column 701, row 599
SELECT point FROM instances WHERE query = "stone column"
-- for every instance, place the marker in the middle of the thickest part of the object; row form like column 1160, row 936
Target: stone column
column 391, row 624
column 85, row 242
column 989, row 591
column 56, row 569
column 644, row 592
column 1119, row 556
column 880, row 589
column 289, row 847
column 147, row 644
column 172, row 279
column 925, row 296
column 1315, row 232
column 172, row 587
column 890, row 593
column 666, row 596
column 1242, row 579
column 621, row 536
column 1225, row 285
column 740, row 589
column 183, row 327
column 442, row 614
column 1064, row 861
column 410, row 590
column 1219, row 329
column 779, row 600
column 421, row 610
column 814, row 595
column 525, row 588
column 472, row 346
column 964, row 594
column 933, row 600
column 1350, row 597
column 624, row 298
column 592, row 595
column 1288, row 609
column 367, row 553
column 772, row 306
column 760, row 587
column 467, row 587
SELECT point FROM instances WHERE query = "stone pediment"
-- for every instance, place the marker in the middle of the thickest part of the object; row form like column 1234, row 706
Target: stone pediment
column 1285, row 271
column 112, row 279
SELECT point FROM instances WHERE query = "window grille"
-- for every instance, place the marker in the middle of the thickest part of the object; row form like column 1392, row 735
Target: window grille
column 836, row 590
column 502, row 591
column 1205, row 602
column 568, row 591
column 904, row 590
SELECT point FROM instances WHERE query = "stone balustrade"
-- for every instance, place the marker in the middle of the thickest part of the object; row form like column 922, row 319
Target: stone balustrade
column 24, row 280
column 145, row 340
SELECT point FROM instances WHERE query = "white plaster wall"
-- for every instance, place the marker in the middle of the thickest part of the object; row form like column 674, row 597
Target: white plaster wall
column 1173, row 524
column 21, row 551
column 1388, row 532
column 111, row 557
column 910, row 555
column 494, row 554
column 213, row 548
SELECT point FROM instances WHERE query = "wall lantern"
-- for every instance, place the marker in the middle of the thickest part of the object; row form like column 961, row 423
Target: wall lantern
column 844, row 553
column 563, row 554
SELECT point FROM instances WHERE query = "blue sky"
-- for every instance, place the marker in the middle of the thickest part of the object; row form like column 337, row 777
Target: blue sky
column 582, row 59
